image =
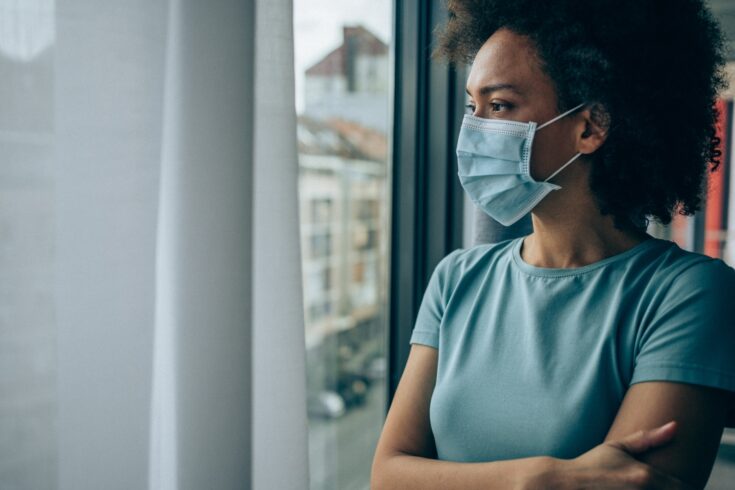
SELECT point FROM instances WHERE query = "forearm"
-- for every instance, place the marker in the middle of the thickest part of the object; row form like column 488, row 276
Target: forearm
column 407, row 472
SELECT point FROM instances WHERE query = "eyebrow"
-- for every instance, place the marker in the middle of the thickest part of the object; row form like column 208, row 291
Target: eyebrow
column 487, row 89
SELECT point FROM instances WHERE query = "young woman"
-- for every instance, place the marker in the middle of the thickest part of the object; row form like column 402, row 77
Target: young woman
column 555, row 360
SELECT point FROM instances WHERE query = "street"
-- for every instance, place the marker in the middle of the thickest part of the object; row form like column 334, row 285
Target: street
column 341, row 450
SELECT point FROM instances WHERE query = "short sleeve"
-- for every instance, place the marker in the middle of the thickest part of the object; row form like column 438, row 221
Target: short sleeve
column 431, row 310
column 691, row 338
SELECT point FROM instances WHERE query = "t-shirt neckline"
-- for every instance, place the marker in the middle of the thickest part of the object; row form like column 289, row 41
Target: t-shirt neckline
column 574, row 271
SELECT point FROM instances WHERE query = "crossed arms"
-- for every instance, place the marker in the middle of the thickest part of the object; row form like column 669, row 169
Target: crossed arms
column 406, row 452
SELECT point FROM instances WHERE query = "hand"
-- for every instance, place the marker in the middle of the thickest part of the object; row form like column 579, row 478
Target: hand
column 612, row 464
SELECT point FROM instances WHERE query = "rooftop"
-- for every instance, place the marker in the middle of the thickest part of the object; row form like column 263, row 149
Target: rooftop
column 356, row 41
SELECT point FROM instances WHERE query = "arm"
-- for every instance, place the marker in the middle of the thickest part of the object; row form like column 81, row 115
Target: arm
column 405, row 454
column 404, row 457
column 700, row 413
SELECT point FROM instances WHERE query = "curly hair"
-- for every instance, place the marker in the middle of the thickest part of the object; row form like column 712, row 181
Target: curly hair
column 655, row 66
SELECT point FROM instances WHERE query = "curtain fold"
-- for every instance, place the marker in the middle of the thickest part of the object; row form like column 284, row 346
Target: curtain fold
column 180, row 354
column 280, row 435
column 228, row 407
column 105, row 125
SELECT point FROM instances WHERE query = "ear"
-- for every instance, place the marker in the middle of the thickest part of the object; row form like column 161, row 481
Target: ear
column 594, row 126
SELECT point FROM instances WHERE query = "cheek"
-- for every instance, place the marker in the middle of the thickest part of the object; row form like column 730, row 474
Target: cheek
column 550, row 151
column 543, row 156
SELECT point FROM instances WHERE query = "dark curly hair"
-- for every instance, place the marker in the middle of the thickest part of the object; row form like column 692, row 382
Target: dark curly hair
column 655, row 66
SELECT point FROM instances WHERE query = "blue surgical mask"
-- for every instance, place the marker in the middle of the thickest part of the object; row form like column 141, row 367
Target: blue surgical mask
column 494, row 157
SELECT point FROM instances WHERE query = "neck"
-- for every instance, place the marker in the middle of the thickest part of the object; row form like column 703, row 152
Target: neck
column 563, row 238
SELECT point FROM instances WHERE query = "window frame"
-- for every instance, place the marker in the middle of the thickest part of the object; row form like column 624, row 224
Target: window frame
column 427, row 201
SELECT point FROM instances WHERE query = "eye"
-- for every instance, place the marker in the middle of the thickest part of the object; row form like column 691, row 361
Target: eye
column 469, row 109
column 494, row 105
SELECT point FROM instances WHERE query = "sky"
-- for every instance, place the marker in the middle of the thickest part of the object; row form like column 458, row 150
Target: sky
column 318, row 29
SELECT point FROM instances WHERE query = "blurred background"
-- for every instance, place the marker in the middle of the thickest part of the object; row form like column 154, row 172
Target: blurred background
column 378, row 201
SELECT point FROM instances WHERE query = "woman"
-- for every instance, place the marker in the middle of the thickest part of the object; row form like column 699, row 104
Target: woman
column 555, row 360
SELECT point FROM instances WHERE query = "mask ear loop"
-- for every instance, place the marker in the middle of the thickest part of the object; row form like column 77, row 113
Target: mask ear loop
column 560, row 116
column 562, row 167
column 575, row 156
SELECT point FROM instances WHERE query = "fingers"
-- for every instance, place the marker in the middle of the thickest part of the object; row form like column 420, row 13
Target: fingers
column 644, row 440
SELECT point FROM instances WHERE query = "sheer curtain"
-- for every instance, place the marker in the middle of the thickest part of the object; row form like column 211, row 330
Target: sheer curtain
column 151, row 249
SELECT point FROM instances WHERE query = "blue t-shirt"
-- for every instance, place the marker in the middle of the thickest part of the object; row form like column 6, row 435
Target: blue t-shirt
column 535, row 361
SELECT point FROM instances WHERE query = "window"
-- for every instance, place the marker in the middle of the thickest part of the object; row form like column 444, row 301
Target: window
column 344, row 128
column 321, row 210
column 321, row 244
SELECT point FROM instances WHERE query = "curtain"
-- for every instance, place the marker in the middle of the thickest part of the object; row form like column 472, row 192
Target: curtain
column 150, row 224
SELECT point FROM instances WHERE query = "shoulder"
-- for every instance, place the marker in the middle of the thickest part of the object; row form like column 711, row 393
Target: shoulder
column 686, row 272
column 458, row 263
column 461, row 260
column 691, row 302
column 689, row 337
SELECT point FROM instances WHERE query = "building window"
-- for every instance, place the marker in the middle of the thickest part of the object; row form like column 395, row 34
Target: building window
column 321, row 245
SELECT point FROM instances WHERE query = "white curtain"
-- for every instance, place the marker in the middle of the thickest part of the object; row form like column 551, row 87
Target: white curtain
column 150, row 224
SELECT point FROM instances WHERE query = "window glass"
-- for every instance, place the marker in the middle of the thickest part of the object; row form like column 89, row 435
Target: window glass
column 28, row 434
column 342, row 63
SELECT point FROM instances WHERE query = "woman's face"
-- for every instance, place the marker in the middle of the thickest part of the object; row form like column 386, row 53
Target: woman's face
column 506, row 82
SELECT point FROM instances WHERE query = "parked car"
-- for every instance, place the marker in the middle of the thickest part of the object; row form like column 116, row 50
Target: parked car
column 325, row 404
column 376, row 369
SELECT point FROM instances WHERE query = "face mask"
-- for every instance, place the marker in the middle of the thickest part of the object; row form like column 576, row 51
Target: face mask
column 494, row 157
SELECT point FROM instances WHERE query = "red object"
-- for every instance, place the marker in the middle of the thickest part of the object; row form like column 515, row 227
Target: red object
column 714, row 225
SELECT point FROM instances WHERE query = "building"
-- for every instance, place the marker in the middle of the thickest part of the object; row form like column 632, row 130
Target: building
column 344, row 224
column 351, row 82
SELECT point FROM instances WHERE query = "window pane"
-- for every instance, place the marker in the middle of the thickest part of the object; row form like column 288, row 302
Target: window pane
column 344, row 128
column 28, row 408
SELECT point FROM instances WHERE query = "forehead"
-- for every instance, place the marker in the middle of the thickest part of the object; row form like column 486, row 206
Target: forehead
column 507, row 57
